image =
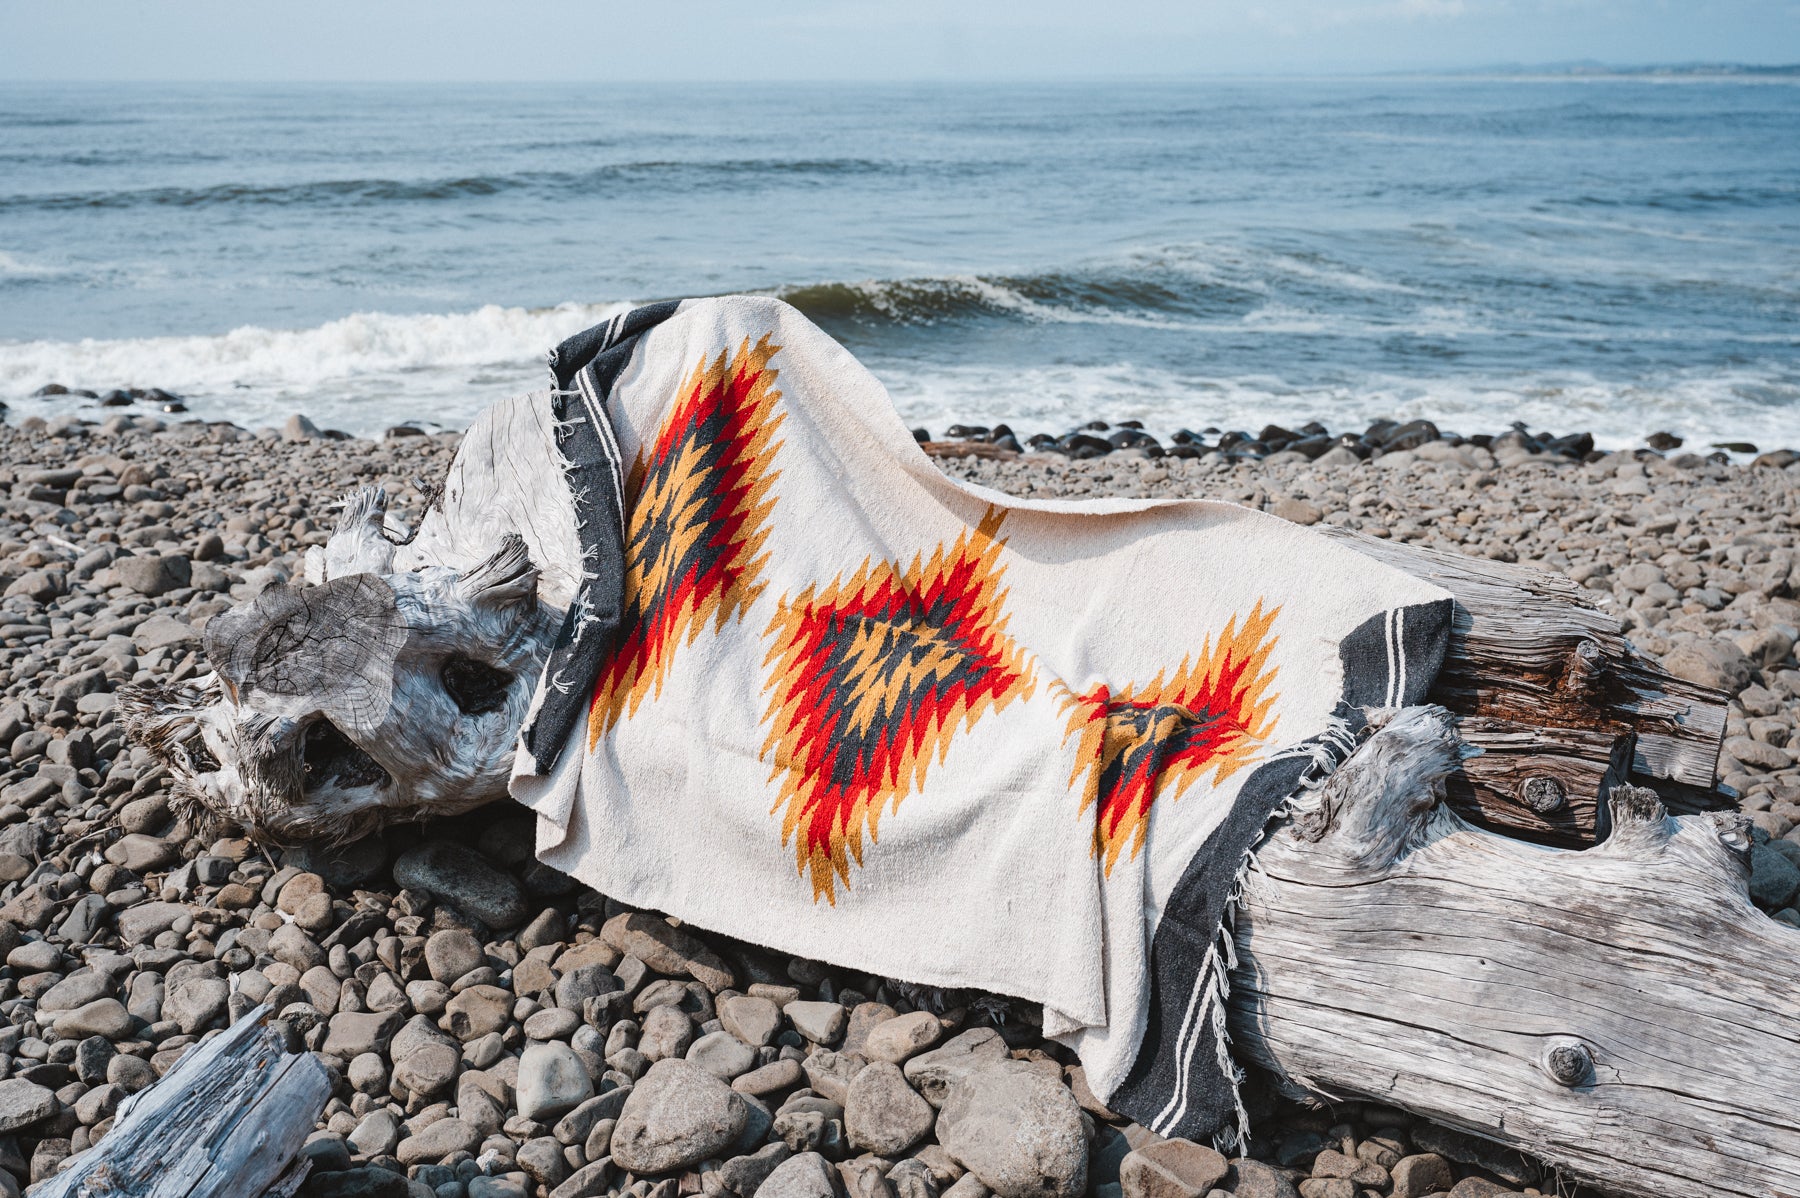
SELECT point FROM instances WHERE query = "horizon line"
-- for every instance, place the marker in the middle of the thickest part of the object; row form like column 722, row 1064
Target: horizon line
column 1562, row 68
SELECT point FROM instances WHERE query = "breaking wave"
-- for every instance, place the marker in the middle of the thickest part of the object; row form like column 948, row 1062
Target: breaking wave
column 361, row 373
column 365, row 372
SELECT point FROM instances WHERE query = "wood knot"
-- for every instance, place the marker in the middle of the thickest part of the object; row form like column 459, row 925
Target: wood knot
column 1734, row 833
column 1543, row 794
column 1569, row 1062
column 1585, row 668
column 1311, row 824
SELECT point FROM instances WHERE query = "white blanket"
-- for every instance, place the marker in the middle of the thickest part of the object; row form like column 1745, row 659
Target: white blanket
column 855, row 710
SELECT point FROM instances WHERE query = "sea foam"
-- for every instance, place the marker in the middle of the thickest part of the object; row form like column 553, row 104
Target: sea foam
column 359, row 373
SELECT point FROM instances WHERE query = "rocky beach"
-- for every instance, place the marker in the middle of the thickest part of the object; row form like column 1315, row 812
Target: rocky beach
column 495, row 1029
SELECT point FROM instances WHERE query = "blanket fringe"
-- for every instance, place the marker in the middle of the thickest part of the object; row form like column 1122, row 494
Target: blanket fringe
column 1327, row 751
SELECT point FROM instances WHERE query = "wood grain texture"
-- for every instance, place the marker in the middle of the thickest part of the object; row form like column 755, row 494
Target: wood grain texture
column 226, row 1122
column 507, row 477
column 1390, row 950
column 1530, row 647
column 1541, row 784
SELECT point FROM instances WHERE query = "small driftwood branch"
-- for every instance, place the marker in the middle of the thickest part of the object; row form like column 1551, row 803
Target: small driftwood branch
column 228, row 1121
column 1622, row 1012
column 1530, row 649
column 967, row 449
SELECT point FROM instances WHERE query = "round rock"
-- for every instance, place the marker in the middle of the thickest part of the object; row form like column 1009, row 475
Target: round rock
column 377, row 1135
column 807, row 1175
column 1018, row 1130
column 751, row 1019
column 461, row 877
column 23, row 1103
column 820, row 1022
column 677, row 1115
column 102, row 1017
column 1171, row 1169
column 552, row 1080
column 451, row 953
column 437, row 1142
column 883, row 1114
column 552, row 1023
column 723, row 1055
column 903, row 1036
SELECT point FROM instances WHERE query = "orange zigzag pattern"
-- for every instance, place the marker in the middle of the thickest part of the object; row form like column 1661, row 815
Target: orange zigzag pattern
column 700, row 504
column 1210, row 716
column 873, row 678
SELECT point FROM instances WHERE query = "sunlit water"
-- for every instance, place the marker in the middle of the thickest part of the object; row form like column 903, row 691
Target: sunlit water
column 1618, row 255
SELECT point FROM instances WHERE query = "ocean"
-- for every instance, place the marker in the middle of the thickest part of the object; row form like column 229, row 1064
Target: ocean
column 1612, row 254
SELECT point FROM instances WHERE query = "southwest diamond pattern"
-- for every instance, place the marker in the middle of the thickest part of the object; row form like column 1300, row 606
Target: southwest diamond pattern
column 872, row 678
column 700, row 505
column 1211, row 715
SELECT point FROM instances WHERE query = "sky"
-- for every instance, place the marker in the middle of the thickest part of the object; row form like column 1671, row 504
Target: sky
column 820, row 40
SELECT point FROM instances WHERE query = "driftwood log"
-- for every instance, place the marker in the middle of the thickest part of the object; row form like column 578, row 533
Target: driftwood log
column 1623, row 1011
column 228, row 1121
column 1560, row 703
column 1606, row 999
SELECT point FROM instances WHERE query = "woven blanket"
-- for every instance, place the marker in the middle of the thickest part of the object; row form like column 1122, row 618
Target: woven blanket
column 820, row 697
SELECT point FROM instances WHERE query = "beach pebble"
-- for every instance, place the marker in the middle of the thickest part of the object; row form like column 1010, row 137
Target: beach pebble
column 439, row 1140
column 805, row 1175
column 145, row 921
column 552, row 1081
column 425, row 1061
column 589, row 1181
column 352, row 1033
column 1421, row 1174
column 477, row 1011
column 542, row 1160
column 554, row 1023
column 902, row 1037
column 1710, row 661
column 463, row 879
column 1774, row 878
column 106, row 1017
column 153, row 575
column 821, row 1022
column 141, row 853
column 1171, row 1169
column 667, row 949
column 77, row 989
column 882, row 1114
column 194, row 995
column 1016, row 1129
column 677, row 1115
column 376, row 1134
column 746, row 1173
column 722, row 1054
column 933, row 1073
column 666, row 1031
column 24, row 1103
column 1257, row 1179
column 453, row 953
column 751, row 1019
